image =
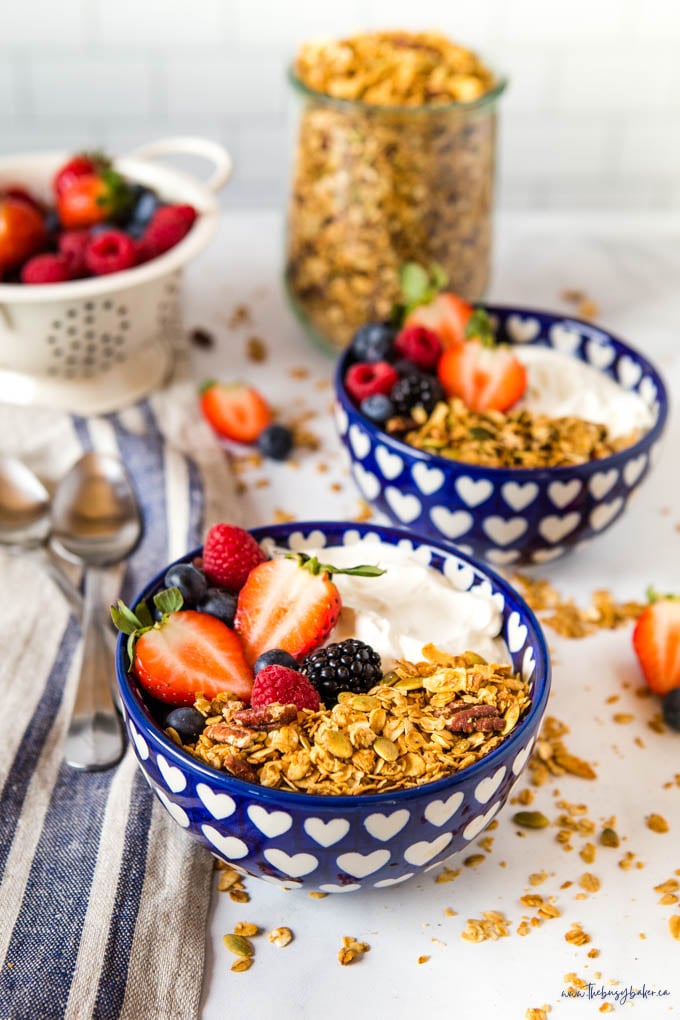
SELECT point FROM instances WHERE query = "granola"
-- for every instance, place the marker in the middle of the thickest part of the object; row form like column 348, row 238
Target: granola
column 415, row 727
column 519, row 438
column 386, row 171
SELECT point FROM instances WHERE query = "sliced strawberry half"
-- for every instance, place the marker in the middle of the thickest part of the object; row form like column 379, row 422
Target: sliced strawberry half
column 235, row 411
column 447, row 315
column 656, row 640
column 290, row 603
column 485, row 378
column 184, row 654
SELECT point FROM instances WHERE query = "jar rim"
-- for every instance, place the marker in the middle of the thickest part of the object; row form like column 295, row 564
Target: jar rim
column 487, row 99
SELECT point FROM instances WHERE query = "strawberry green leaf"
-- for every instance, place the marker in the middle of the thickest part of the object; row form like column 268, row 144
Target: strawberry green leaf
column 143, row 614
column 439, row 276
column 168, row 601
column 414, row 283
column 479, row 328
column 124, row 619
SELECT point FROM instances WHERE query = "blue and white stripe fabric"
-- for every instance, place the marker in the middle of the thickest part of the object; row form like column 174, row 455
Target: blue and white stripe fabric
column 103, row 899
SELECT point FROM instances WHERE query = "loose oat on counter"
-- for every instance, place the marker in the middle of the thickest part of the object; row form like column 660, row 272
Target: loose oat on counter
column 385, row 172
column 424, row 722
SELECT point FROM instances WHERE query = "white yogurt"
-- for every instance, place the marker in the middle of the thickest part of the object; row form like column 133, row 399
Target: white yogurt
column 410, row 606
column 560, row 385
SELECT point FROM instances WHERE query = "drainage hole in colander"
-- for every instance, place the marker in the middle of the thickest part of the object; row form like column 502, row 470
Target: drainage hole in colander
column 72, row 331
column 51, row 339
column 90, row 335
column 75, row 345
column 124, row 325
column 107, row 304
column 56, row 324
column 72, row 313
column 89, row 320
column 88, row 306
column 122, row 310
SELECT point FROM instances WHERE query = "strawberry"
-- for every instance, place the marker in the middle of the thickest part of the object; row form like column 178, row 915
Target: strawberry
column 229, row 554
column 185, row 653
column 290, row 603
column 656, row 640
column 446, row 314
column 78, row 166
column 235, row 411
column 484, row 376
column 93, row 198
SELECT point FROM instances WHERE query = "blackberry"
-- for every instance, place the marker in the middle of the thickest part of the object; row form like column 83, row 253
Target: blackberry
column 416, row 389
column 349, row 665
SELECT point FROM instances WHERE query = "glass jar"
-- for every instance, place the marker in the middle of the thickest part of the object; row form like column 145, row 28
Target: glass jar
column 374, row 187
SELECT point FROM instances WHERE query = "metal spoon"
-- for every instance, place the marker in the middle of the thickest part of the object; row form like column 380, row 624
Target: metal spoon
column 96, row 521
column 25, row 522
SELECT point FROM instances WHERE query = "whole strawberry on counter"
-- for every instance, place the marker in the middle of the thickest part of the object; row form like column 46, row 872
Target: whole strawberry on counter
column 656, row 640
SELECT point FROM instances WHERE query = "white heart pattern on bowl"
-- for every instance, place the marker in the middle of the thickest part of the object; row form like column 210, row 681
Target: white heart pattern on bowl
column 554, row 528
column 422, row 553
column 298, row 541
column 648, row 391
column 517, row 633
column 605, row 513
column 528, row 664
column 220, row 805
column 522, row 330
column 326, row 833
column 545, row 555
column 296, row 865
column 519, row 496
column 565, row 338
column 428, row 479
column 359, row 440
column 384, row 827
column 140, row 743
column 602, row 482
column 451, row 523
column 405, row 505
column 521, row 758
column 504, row 531
column 360, row 865
column 173, row 777
column 473, row 492
column 389, row 463
column 600, row 353
column 502, row 557
column 438, row 812
column 174, row 810
column 270, row 823
column 341, row 419
column 474, row 827
column 629, row 372
column 459, row 574
column 633, row 469
column 385, row 883
column 366, row 480
column 423, row 851
column 230, row 846
column 329, row 887
column 486, row 787
column 562, row 493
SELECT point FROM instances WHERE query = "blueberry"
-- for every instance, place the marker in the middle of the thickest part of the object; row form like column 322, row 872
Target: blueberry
column 220, row 604
column 276, row 442
column 670, row 706
column 274, row 657
column 377, row 408
column 102, row 228
column 373, row 342
column 187, row 721
column 190, row 581
column 405, row 367
column 52, row 222
column 146, row 204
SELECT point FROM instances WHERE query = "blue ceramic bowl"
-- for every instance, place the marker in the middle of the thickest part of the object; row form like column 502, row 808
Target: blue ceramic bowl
column 509, row 515
column 344, row 843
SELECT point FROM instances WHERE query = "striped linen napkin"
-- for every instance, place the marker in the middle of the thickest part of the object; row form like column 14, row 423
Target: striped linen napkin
column 103, row 899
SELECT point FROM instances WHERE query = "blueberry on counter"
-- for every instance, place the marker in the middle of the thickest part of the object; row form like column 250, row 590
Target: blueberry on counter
column 187, row 721
column 219, row 603
column 190, row 581
column 276, row 442
column 274, row 657
column 670, row 706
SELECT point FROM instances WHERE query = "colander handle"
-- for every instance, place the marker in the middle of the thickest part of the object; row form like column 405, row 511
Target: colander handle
column 191, row 146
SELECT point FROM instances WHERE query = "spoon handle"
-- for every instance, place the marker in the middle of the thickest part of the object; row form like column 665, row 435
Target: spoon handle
column 63, row 583
column 95, row 738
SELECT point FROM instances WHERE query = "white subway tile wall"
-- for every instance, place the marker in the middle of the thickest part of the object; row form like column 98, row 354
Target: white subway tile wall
column 591, row 118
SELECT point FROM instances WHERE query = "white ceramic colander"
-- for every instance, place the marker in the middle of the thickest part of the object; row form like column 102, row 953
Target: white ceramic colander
column 93, row 346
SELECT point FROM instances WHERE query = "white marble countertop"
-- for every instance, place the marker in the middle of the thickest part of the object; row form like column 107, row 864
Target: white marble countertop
column 630, row 266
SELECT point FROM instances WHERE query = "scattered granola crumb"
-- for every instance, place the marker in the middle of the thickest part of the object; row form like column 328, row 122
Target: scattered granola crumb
column 593, row 953
column 609, row 837
column 551, row 757
column 523, row 928
column 240, row 316
column 282, row 516
column 588, row 310
column 364, row 513
column 280, row 937
column 568, row 619
column 335, row 487
column 657, row 823
column 623, row 718
column 352, row 951
column 246, row 928
column 318, row 895
column 671, row 885
column 202, row 338
column 587, row 853
column 606, row 1007
column 447, row 875
column 576, row 935
column 538, row 877
column 589, row 882
column 450, row 912
column 242, row 963
column 298, row 372
column 423, row 959
column 492, row 925
column 256, row 349
column 537, row 1013
column 674, row 926
column 474, row 860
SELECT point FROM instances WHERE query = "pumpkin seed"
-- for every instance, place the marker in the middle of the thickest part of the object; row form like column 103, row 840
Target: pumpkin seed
column 609, row 837
column 530, row 819
column 363, row 702
column 409, row 683
column 338, row 744
column 238, row 945
column 386, row 749
column 472, row 659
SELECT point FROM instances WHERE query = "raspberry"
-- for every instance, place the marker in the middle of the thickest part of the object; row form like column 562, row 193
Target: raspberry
column 45, row 269
column 110, row 252
column 168, row 226
column 416, row 390
column 349, row 665
column 73, row 245
column 286, row 686
column 419, row 345
column 366, row 378
column 229, row 554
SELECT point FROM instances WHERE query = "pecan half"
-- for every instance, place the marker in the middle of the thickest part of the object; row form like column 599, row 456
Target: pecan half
column 223, row 733
column 239, row 768
column 474, row 718
column 266, row 717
